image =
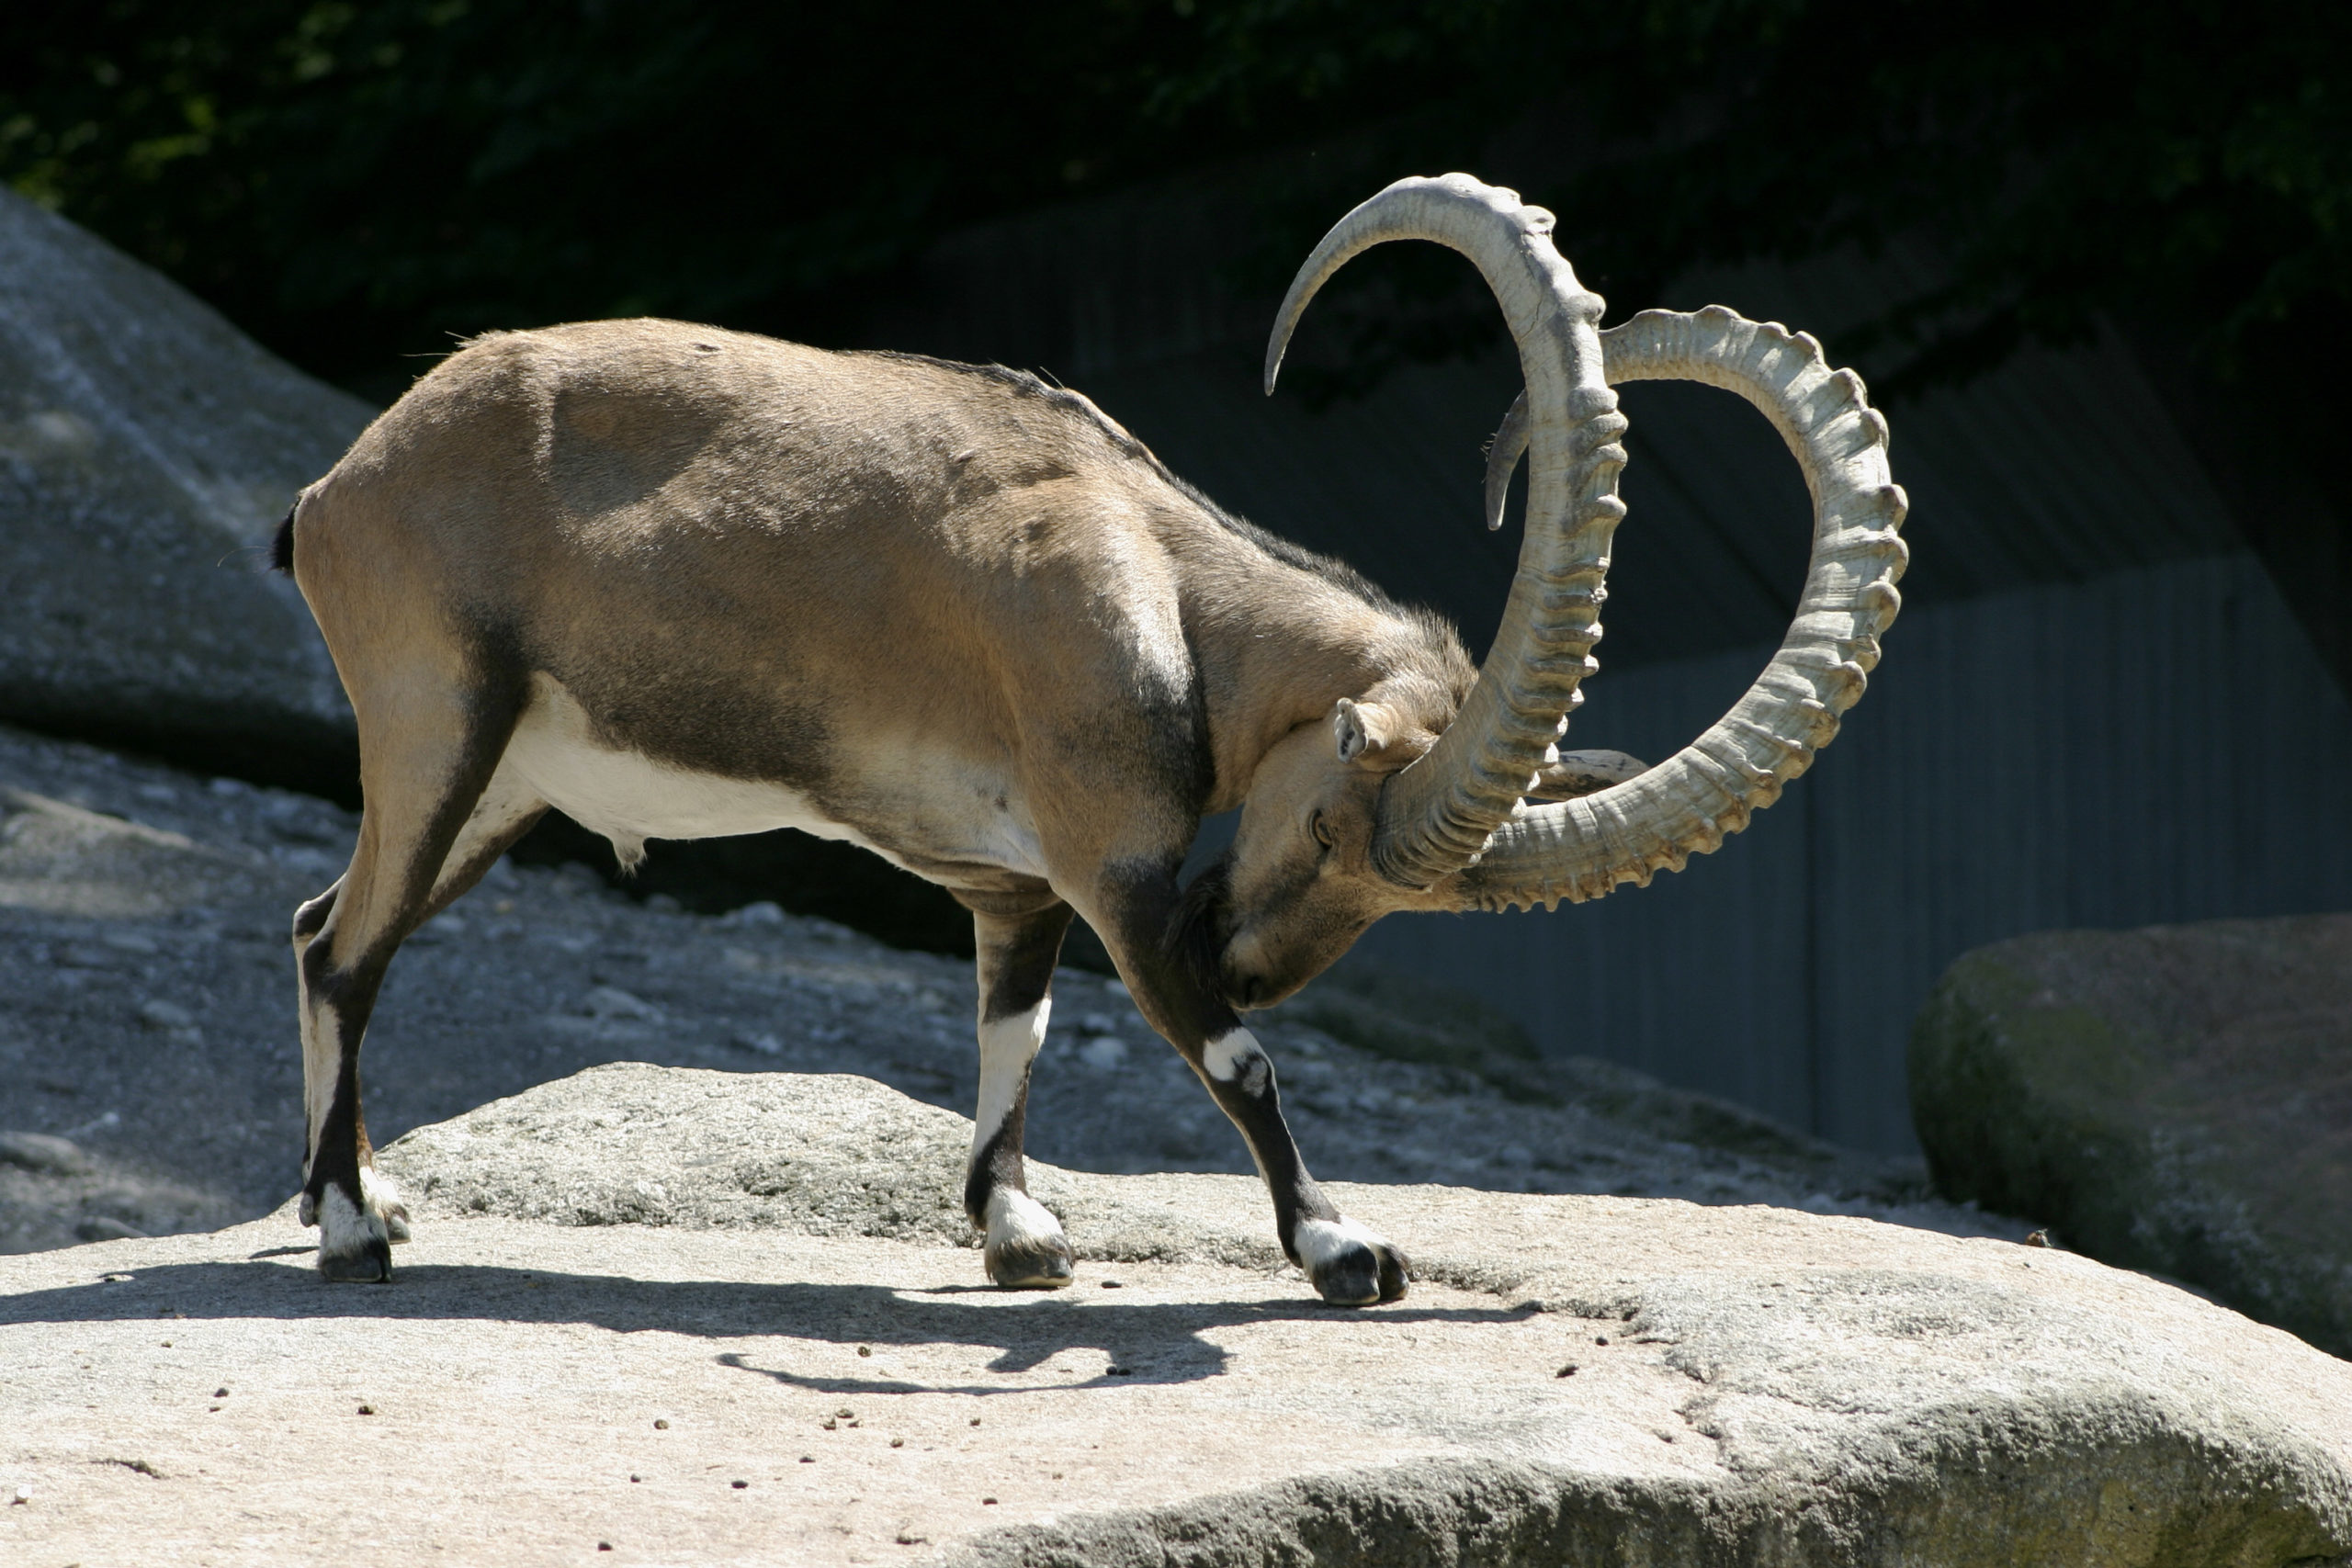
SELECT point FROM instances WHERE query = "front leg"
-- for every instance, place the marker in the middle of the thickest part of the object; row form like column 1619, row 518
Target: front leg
column 1017, row 949
column 1160, row 946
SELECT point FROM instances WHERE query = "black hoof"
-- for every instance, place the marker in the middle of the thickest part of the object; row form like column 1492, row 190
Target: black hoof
column 1396, row 1274
column 369, row 1263
column 1031, row 1266
column 1363, row 1276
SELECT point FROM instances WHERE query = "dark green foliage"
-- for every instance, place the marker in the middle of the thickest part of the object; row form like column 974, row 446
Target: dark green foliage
column 358, row 181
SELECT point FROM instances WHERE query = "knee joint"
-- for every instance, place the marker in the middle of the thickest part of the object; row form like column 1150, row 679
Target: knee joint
column 311, row 918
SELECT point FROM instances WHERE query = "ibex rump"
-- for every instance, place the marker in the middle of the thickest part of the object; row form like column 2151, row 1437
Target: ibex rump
column 681, row 582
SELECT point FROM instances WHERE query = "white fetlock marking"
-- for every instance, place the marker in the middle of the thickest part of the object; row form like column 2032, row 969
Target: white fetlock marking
column 1007, row 1047
column 377, row 1192
column 1230, row 1055
column 380, row 1195
column 1015, row 1219
column 1321, row 1242
column 343, row 1226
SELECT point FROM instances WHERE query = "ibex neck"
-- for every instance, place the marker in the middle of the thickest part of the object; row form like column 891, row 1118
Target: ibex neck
column 1276, row 646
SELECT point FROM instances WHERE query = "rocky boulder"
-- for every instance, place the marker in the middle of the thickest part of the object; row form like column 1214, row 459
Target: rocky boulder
column 147, row 450
column 693, row 1317
column 2178, row 1098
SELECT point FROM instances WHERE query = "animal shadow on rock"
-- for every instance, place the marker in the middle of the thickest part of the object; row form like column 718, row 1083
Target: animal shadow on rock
column 1163, row 1342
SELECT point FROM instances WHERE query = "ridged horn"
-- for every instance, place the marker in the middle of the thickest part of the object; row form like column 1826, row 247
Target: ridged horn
column 1437, row 814
column 1504, row 452
column 1582, row 849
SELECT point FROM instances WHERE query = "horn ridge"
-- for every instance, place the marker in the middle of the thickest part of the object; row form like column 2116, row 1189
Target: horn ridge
column 1436, row 815
column 1582, row 849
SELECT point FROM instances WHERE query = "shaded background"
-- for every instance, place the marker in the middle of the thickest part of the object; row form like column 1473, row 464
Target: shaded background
column 2093, row 258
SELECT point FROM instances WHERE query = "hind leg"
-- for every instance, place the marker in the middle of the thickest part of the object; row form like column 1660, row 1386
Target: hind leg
column 1017, row 949
column 439, row 812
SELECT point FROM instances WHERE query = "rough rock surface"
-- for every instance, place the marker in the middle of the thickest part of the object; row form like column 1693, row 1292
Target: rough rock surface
column 2178, row 1098
column 823, row 1381
column 146, row 1013
column 147, row 449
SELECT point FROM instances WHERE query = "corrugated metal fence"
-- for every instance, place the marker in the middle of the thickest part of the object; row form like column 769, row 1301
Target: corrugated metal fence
column 2154, row 746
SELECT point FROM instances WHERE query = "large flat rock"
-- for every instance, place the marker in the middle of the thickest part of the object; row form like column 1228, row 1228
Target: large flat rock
column 759, row 1266
column 2178, row 1098
column 147, row 449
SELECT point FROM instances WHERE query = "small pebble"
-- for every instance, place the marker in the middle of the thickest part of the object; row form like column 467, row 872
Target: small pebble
column 1600, row 1339
column 2039, row 1238
column 1568, row 1372
column 661, row 1424
column 367, row 1410
column 604, row 1546
column 220, row 1394
column 1110, row 1284
column 845, row 1414
column 739, row 1485
column 808, row 1459
column 976, row 1420
column 829, row 1424
column 987, row 1501
column 897, row 1443
column 22, row 1496
column 167, row 1343
column 1058, row 1475
column 636, row 1478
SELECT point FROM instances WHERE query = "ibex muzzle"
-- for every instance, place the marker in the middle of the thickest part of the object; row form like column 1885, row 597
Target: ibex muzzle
column 680, row 582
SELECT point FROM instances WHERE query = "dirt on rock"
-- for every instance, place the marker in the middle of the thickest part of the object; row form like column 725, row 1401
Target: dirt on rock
column 786, row 1382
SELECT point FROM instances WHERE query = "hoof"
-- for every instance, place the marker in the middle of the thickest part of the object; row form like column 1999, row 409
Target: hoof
column 355, row 1242
column 369, row 1263
column 1034, row 1267
column 1026, row 1249
column 1349, row 1265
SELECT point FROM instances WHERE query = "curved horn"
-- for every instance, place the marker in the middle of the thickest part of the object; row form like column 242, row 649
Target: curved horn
column 1436, row 815
column 1687, row 805
column 1507, row 448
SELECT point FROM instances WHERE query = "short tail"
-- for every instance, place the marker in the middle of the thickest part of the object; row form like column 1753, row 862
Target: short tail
column 281, row 546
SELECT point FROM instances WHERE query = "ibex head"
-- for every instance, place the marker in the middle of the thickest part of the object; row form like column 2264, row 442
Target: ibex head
column 1299, row 884
column 1416, row 799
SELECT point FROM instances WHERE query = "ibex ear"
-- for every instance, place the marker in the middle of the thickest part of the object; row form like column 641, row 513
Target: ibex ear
column 1359, row 727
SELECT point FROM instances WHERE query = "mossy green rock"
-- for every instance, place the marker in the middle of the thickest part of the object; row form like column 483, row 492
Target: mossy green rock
column 2177, row 1099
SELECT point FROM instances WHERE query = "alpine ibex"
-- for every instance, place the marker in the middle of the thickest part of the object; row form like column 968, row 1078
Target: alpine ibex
column 681, row 582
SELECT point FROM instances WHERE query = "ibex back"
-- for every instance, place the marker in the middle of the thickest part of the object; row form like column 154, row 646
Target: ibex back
column 680, row 582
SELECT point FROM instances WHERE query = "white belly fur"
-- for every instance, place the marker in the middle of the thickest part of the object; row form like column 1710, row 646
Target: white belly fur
column 629, row 798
